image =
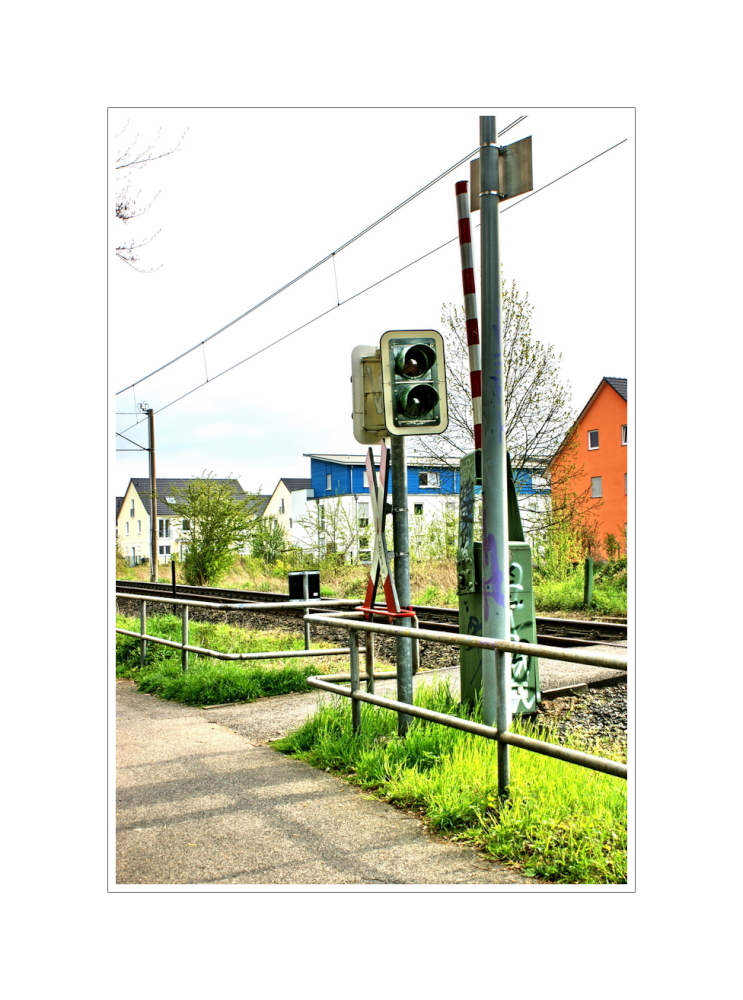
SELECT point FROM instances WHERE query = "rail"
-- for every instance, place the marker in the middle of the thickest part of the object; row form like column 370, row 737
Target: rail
column 333, row 682
column 327, row 683
column 186, row 648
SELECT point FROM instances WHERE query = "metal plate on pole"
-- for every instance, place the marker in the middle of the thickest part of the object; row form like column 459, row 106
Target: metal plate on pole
column 514, row 172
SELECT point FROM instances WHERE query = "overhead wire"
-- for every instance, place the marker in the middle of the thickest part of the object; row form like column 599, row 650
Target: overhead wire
column 369, row 287
column 318, row 264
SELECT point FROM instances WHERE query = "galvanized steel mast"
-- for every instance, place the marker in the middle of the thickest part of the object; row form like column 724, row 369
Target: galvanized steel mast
column 495, row 552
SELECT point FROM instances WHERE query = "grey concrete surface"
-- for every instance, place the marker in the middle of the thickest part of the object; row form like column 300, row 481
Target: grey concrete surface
column 201, row 804
column 202, row 800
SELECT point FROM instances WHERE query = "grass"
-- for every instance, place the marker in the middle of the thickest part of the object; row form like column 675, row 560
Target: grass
column 562, row 823
column 209, row 681
column 432, row 583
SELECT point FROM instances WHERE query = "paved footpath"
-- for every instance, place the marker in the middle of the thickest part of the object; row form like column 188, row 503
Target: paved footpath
column 202, row 800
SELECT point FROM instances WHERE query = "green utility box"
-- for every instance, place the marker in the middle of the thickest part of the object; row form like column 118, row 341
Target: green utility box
column 525, row 691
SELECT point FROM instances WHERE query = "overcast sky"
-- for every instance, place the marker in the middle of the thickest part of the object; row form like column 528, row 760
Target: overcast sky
column 253, row 198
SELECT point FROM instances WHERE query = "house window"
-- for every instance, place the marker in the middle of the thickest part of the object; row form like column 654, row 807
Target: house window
column 428, row 479
column 139, row 527
column 593, row 440
column 364, row 556
column 186, row 524
column 281, row 506
column 596, row 490
column 127, row 527
column 328, row 482
column 363, row 513
column 290, row 522
column 170, row 499
column 131, row 510
column 164, row 528
column 624, row 434
column 417, row 508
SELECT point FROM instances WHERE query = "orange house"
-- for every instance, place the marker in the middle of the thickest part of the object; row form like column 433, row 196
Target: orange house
column 599, row 457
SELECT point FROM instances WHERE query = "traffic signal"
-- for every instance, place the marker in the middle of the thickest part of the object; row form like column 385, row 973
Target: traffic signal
column 368, row 406
column 414, row 382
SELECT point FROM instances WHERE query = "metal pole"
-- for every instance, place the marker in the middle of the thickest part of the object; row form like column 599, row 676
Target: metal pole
column 495, row 554
column 143, row 630
column 306, row 596
column 184, row 637
column 172, row 579
column 369, row 655
column 401, row 542
column 153, row 499
column 355, row 705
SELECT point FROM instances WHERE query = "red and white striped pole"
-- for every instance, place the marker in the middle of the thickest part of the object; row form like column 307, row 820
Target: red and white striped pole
column 470, row 307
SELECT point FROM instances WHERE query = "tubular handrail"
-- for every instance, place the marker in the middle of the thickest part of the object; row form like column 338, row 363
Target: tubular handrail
column 354, row 625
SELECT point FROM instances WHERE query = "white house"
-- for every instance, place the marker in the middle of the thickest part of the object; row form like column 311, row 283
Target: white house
column 287, row 506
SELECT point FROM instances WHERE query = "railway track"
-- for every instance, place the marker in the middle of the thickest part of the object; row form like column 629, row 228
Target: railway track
column 550, row 631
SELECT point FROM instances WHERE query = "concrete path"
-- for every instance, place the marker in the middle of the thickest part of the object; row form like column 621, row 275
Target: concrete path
column 200, row 803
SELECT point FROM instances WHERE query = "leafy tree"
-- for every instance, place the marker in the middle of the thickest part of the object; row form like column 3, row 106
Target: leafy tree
column 133, row 157
column 537, row 402
column 268, row 541
column 218, row 518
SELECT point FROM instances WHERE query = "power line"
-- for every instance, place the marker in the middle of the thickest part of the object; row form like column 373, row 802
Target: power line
column 304, row 273
column 369, row 287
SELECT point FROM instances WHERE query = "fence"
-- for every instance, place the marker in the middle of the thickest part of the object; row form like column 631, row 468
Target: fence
column 334, row 682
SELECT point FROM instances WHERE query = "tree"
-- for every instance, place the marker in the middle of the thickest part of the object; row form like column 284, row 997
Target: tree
column 268, row 541
column 133, row 158
column 218, row 518
column 537, row 401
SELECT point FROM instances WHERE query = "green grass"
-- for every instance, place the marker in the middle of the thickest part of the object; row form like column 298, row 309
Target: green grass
column 566, row 594
column 561, row 823
column 209, row 681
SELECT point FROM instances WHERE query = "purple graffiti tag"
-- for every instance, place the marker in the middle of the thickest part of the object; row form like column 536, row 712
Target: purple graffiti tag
column 493, row 587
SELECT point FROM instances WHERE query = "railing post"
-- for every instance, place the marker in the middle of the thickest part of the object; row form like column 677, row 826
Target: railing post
column 369, row 658
column 184, row 638
column 306, row 595
column 355, row 703
column 143, row 630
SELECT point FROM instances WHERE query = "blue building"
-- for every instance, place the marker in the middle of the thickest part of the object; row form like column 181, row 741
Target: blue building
column 340, row 509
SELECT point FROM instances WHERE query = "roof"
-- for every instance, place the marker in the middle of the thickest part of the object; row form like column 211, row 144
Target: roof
column 413, row 460
column 119, row 502
column 296, row 484
column 620, row 384
column 168, row 487
column 261, row 509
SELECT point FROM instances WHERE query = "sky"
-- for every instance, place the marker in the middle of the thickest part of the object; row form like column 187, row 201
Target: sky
column 255, row 197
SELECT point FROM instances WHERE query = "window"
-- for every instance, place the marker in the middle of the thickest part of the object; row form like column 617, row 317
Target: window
column 164, row 528
column 290, row 522
column 127, row 527
column 364, row 556
column 170, row 499
column 328, row 482
column 131, row 510
column 624, row 435
column 139, row 527
column 593, row 440
column 596, row 490
column 363, row 513
column 186, row 524
column 428, row 479
column 281, row 506
column 417, row 508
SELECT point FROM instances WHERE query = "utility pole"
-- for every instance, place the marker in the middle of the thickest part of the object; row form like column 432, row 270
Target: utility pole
column 401, row 542
column 495, row 552
column 153, row 498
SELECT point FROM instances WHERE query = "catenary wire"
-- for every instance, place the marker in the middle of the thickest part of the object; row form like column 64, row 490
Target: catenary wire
column 319, row 263
column 303, row 274
column 369, row 287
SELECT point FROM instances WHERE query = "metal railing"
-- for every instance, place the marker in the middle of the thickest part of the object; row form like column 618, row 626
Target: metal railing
column 330, row 683
column 355, row 625
column 186, row 648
